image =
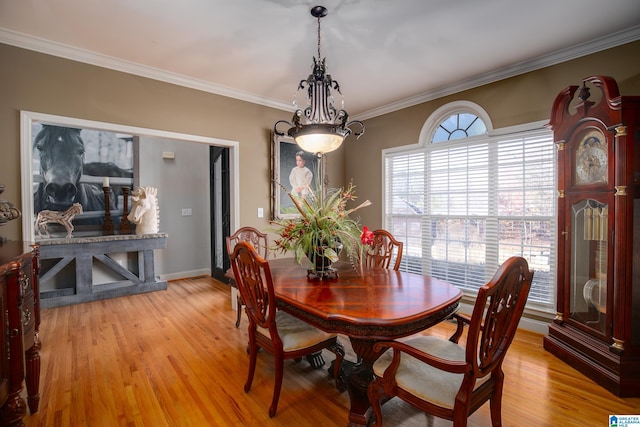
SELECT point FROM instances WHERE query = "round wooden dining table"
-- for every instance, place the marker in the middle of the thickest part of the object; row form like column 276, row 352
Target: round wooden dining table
column 368, row 306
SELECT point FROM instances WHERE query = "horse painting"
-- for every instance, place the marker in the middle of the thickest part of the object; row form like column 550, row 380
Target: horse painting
column 65, row 218
column 145, row 212
column 61, row 151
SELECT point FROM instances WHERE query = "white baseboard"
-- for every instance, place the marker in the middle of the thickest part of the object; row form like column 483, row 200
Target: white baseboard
column 538, row 324
column 186, row 274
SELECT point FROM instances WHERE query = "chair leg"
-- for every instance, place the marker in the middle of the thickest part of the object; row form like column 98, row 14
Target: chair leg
column 460, row 419
column 495, row 403
column 239, row 308
column 340, row 379
column 429, row 420
column 338, row 350
column 253, row 356
column 496, row 417
column 277, row 386
column 375, row 392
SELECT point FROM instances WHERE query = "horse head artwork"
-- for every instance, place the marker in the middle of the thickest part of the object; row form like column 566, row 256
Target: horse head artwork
column 61, row 152
column 65, row 218
column 144, row 212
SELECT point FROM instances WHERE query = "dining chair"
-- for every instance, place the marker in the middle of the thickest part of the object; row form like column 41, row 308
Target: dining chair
column 448, row 380
column 384, row 249
column 259, row 241
column 272, row 330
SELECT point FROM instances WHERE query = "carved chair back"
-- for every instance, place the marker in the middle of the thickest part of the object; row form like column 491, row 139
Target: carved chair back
column 252, row 235
column 293, row 340
column 452, row 381
column 258, row 240
column 384, row 249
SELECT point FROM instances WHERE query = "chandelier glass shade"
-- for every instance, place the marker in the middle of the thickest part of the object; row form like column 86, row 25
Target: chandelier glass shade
column 319, row 128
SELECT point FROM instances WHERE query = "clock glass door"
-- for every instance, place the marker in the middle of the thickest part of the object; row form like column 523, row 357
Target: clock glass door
column 589, row 252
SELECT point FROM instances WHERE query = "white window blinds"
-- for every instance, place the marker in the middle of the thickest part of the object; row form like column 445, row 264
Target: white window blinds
column 462, row 208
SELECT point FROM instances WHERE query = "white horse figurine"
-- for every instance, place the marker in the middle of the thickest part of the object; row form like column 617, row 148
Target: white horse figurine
column 64, row 218
column 144, row 212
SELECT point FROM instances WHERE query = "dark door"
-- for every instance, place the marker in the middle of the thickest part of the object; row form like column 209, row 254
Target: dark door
column 220, row 210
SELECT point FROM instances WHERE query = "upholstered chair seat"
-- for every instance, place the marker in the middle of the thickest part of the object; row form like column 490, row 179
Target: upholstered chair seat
column 294, row 333
column 423, row 380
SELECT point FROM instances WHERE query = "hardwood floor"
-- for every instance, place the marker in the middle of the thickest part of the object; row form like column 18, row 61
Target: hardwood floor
column 175, row 358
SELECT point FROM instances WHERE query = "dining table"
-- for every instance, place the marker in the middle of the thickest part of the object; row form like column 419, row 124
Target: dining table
column 367, row 305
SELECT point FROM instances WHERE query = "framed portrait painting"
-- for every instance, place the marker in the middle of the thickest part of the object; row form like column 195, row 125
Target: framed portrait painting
column 294, row 171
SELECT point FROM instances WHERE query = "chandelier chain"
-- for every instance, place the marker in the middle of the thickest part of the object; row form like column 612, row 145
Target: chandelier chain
column 319, row 38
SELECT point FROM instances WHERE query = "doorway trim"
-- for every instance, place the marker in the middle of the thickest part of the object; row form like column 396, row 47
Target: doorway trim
column 26, row 137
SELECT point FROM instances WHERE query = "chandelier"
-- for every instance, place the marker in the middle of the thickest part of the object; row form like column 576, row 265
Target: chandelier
column 319, row 128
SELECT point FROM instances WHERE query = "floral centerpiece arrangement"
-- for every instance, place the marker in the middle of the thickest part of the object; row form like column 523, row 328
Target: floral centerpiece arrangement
column 324, row 229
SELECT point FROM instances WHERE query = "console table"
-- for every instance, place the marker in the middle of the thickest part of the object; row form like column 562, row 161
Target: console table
column 19, row 340
column 68, row 266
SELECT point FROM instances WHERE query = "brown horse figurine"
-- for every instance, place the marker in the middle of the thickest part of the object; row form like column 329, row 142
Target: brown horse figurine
column 64, row 218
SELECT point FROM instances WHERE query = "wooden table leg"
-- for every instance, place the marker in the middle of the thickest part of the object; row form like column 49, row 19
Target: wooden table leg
column 359, row 380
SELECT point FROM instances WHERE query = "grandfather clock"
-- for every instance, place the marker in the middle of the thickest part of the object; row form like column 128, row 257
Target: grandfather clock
column 597, row 326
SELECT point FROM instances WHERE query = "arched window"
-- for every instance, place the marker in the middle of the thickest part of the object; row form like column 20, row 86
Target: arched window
column 469, row 197
column 456, row 120
column 459, row 125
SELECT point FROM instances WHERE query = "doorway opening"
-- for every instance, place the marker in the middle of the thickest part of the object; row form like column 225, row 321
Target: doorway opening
column 219, row 184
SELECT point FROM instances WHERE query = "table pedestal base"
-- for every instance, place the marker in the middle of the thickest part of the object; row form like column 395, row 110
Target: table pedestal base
column 359, row 379
column 315, row 360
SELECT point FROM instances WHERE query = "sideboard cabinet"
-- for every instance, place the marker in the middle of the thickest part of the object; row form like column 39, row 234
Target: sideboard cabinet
column 20, row 346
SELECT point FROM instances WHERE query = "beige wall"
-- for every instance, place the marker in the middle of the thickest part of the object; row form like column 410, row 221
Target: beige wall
column 522, row 99
column 46, row 84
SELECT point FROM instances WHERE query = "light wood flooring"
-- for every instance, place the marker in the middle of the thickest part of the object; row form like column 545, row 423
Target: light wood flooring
column 175, row 358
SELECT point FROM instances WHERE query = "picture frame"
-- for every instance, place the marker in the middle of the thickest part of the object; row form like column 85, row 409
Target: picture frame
column 76, row 158
column 284, row 152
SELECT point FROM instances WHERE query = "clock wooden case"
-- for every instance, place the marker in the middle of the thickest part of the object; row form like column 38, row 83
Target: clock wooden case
column 597, row 326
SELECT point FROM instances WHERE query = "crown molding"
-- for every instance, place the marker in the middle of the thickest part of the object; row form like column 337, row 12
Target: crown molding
column 616, row 39
column 49, row 47
column 64, row 51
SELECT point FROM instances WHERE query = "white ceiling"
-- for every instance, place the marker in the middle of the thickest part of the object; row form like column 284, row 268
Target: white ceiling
column 386, row 54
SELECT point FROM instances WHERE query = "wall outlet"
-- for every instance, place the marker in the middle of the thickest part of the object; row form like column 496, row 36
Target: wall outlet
column 186, row 212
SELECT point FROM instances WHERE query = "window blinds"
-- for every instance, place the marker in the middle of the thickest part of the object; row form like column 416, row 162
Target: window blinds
column 462, row 208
